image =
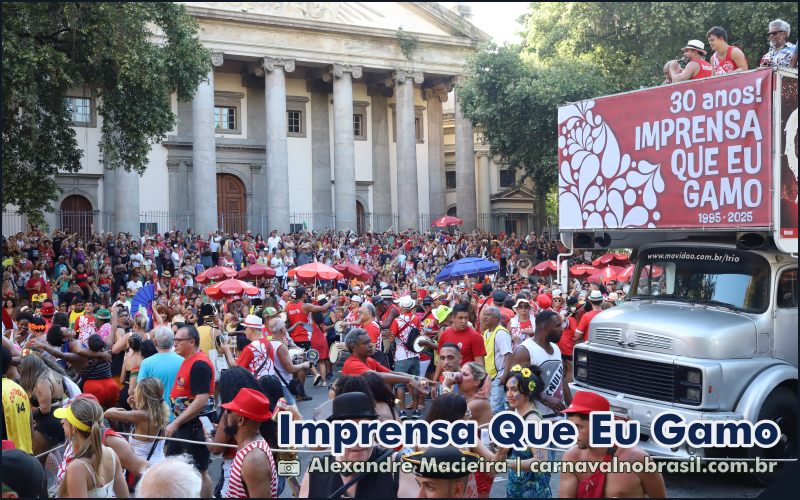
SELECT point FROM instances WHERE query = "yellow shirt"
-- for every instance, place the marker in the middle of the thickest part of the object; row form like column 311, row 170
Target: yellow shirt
column 206, row 339
column 17, row 412
column 73, row 317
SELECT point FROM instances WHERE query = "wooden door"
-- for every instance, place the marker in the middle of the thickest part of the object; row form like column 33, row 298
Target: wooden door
column 77, row 216
column 360, row 220
column 231, row 204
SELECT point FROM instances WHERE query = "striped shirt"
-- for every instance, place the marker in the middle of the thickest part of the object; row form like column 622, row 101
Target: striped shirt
column 236, row 487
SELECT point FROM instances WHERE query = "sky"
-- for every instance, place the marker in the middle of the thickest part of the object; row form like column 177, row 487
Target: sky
column 497, row 19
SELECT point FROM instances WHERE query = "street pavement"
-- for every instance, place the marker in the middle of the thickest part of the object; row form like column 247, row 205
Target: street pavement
column 678, row 485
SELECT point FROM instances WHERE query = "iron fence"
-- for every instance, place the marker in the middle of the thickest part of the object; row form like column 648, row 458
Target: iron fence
column 89, row 222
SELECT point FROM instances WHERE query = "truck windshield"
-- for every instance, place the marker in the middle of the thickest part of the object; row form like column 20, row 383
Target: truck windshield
column 723, row 277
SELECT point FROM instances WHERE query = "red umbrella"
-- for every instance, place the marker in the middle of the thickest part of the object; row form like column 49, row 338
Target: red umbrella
column 607, row 274
column 447, row 220
column 610, row 258
column 216, row 273
column 627, row 274
column 230, row 288
column 351, row 270
column 256, row 271
column 315, row 270
column 582, row 270
column 546, row 267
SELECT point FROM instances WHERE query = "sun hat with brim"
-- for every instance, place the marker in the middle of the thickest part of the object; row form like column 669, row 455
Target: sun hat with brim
column 352, row 405
column 585, row 402
column 441, row 313
column 696, row 45
column 269, row 312
column 166, row 274
column 66, row 414
column 521, row 300
column 250, row 404
column 357, row 298
column 253, row 321
column 178, row 319
column 102, row 314
column 595, row 296
column 406, row 302
column 613, row 297
column 386, row 293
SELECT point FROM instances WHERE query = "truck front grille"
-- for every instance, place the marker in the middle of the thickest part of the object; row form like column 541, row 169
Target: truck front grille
column 635, row 377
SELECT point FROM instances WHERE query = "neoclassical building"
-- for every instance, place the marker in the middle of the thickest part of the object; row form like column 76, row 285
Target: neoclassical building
column 315, row 115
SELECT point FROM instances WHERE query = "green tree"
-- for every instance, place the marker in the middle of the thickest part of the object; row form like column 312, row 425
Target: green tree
column 129, row 56
column 631, row 41
column 514, row 100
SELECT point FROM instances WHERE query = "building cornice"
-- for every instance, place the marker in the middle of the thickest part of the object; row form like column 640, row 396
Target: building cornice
column 226, row 146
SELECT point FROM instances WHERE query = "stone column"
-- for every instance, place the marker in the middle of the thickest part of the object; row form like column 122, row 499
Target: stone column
column 204, row 155
column 322, row 201
column 108, row 208
column 126, row 202
column 381, row 180
column 407, row 186
column 344, row 159
column 466, row 204
column 275, row 70
column 484, row 188
column 436, row 184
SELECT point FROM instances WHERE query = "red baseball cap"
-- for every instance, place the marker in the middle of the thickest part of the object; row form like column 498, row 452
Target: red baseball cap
column 251, row 404
column 585, row 402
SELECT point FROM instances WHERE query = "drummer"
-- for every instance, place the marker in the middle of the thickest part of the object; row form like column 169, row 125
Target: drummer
column 353, row 316
column 284, row 364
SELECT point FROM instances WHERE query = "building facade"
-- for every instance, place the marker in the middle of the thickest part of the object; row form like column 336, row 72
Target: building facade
column 315, row 115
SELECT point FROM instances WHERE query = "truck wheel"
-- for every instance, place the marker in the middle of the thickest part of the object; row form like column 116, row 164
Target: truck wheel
column 783, row 408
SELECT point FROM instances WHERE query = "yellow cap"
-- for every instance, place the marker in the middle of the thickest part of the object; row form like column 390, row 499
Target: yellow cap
column 66, row 413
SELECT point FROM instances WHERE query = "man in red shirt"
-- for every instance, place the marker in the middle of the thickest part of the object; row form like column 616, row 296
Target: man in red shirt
column 469, row 341
column 596, row 300
column 697, row 67
column 726, row 58
column 35, row 285
column 361, row 348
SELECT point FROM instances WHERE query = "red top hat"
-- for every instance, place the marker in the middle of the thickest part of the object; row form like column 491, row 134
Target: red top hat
column 586, row 402
column 251, row 404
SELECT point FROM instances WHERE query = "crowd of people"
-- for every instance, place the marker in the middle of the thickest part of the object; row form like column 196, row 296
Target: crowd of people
column 726, row 58
column 92, row 371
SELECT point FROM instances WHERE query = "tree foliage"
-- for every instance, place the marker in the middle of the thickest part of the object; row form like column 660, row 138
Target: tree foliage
column 514, row 102
column 129, row 56
column 631, row 41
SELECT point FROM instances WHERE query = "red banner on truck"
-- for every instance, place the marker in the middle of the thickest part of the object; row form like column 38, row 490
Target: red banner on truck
column 692, row 155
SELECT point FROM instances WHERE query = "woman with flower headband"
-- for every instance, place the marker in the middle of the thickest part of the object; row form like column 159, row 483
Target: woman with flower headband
column 523, row 386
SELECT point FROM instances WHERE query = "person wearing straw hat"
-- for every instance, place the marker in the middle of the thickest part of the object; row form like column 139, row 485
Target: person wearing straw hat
column 598, row 484
column 406, row 360
column 696, row 68
column 595, row 298
column 253, row 473
column 258, row 356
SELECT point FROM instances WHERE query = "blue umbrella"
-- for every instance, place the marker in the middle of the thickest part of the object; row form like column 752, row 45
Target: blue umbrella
column 144, row 300
column 471, row 266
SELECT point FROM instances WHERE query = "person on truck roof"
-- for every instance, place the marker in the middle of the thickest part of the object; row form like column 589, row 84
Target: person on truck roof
column 781, row 49
column 726, row 58
column 696, row 68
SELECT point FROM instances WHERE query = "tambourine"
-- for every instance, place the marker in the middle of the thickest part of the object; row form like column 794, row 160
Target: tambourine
column 312, row 355
column 418, row 347
column 340, row 326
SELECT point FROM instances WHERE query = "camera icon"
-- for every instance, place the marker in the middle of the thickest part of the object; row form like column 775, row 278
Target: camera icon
column 289, row 468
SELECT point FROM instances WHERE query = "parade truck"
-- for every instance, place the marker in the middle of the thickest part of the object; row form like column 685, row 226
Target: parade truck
column 699, row 180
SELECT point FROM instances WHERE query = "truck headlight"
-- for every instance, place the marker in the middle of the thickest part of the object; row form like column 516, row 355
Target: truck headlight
column 581, row 373
column 694, row 394
column 581, row 357
column 689, row 385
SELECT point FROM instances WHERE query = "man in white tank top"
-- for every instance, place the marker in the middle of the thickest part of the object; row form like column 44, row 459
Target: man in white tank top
column 541, row 350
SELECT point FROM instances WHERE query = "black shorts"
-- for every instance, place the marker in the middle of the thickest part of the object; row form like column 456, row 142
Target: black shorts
column 304, row 345
column 566, row 357
column 200, row 455
column 50, row 427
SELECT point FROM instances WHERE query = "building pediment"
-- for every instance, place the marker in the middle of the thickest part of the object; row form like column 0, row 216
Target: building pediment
column 425, row 18
column 514, row 194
